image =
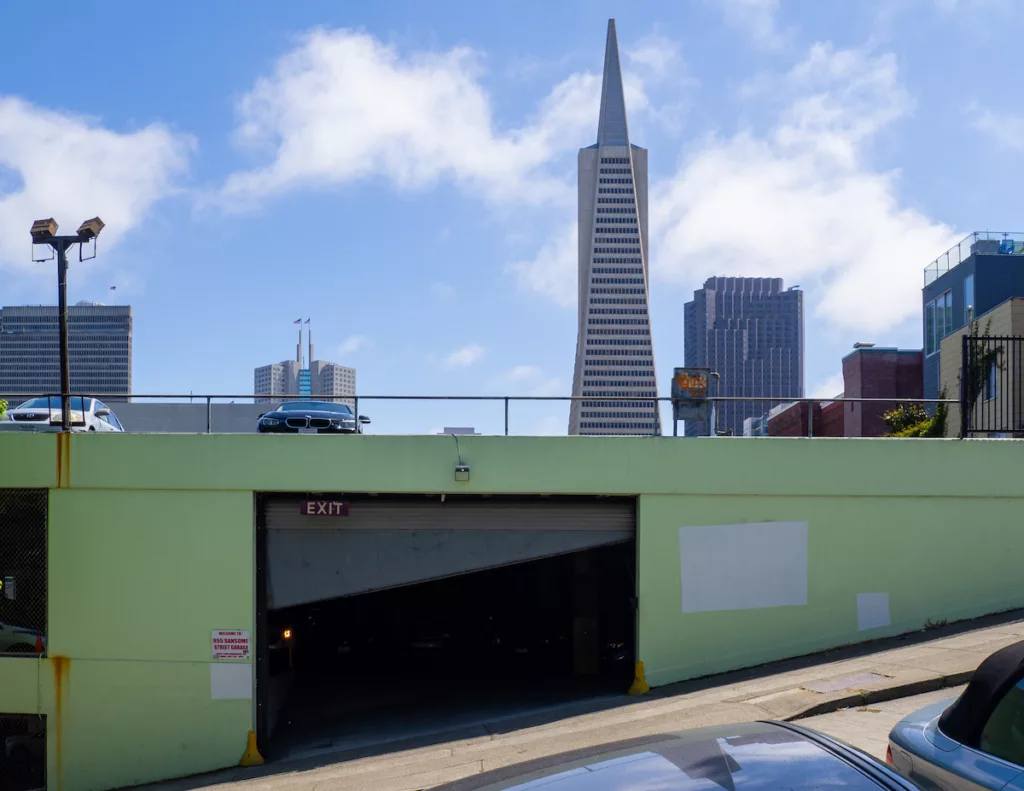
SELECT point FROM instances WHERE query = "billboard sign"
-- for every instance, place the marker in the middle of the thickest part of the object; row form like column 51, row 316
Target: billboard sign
column 690, row 391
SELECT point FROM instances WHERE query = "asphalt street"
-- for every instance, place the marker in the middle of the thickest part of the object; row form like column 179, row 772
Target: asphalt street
column 867, row 727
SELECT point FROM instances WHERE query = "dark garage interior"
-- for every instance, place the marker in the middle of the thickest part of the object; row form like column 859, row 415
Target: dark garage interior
column 431, row 657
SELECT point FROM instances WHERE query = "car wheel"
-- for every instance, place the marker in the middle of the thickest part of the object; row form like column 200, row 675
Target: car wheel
column 20, row 648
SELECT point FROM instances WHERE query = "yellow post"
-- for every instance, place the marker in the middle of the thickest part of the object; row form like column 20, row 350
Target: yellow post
column 251, row 756
column 639, row 685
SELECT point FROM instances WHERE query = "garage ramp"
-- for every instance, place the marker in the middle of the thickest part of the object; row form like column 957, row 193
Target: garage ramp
column 381, row 543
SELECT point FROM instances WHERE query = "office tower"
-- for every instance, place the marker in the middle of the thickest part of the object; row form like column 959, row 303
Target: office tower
column 293, row 378
column 99, row 350
column 750, row 331
column 614, row 353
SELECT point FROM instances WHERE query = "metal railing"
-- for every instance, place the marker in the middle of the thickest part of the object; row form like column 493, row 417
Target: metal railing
column 992, row 385
column 1005, row 242
column 505, row 400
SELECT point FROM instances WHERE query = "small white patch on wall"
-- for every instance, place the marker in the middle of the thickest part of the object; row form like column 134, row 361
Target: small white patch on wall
column 743, row 567
column 231, row 680
column 872, row 610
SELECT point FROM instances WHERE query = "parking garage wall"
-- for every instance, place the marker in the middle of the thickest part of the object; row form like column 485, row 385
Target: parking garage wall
column 748, row 550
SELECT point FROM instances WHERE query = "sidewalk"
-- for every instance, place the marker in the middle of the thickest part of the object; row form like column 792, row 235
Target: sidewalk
column 788, row 690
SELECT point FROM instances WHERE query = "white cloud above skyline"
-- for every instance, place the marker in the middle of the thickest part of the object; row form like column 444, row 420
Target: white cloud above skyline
column 464, row 356
column 352, row 344
column 321, row 117
column 799, row 201
column 829, row 388
column 802, row 202
column 71, row 168
column 756, row 19
column 1006, row 129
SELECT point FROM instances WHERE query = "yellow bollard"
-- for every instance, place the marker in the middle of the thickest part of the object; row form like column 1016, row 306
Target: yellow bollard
column 639, row 685
column 251, row 756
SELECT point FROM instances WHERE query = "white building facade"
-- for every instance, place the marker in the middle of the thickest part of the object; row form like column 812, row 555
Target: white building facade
column 291, row 378
column 614, row 352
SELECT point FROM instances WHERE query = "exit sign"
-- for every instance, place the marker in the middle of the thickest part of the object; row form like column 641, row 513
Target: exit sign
column 323, row 508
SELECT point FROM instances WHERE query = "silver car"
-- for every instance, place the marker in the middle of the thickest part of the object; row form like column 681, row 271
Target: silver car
column 973, row 742
column 87, row 414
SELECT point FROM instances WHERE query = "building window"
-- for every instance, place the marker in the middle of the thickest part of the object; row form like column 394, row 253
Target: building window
column 991, row 382
column 968, row 298
column 938, row 321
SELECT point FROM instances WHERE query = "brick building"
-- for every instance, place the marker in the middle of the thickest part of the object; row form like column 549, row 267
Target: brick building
column 868, row 372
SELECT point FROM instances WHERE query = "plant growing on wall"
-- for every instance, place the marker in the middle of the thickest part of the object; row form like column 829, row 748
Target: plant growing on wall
column 977, row 369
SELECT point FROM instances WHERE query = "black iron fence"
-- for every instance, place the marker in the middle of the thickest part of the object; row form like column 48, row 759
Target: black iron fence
column 992, row 386
column 23, row 571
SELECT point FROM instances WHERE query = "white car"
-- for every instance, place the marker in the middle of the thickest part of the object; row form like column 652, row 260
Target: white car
column 87, row 414
column 20, row 640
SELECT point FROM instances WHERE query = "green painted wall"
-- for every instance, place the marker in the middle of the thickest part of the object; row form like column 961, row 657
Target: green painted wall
column 937, row 558
column 138, row 581
column 151, row 548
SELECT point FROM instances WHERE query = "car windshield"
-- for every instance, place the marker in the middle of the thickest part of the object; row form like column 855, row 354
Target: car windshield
column 314, row 406
column 53, row 402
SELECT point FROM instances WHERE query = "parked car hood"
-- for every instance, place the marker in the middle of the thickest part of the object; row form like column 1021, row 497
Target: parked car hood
column 309, row 413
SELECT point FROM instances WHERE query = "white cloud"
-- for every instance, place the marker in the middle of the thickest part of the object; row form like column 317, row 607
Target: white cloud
column 755, row 18
column 532, row 378
column 464, row 357
column 352, row 344
column 524, row 373
column 800, row 203
column 829, row 388
column 442, row 290
column 1006, row 129
column 552, row 273
column 71, row 168
column 344, row 106
column 657, row 54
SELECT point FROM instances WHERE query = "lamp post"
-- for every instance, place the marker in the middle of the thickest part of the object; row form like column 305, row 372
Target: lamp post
column 44, row 232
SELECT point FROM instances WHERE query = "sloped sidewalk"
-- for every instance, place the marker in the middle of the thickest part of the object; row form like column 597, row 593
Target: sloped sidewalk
column 788, row 690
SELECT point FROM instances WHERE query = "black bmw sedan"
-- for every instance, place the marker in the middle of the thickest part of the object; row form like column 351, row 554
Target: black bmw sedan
column 311, row 417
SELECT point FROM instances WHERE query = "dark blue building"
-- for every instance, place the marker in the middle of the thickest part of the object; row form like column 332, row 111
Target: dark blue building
column 982, row 271
column 750, row 331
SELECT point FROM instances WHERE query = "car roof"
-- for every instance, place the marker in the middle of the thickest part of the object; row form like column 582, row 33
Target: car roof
column 313, row 405
column 964, row 720
column 732, row 758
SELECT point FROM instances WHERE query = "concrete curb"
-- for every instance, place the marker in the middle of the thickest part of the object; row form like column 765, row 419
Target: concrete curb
column 866, row 698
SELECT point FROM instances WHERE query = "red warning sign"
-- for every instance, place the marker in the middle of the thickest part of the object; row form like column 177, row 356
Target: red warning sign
column 230, row 644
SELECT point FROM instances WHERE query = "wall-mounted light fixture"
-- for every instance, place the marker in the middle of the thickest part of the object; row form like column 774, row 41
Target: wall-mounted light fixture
column 461, row 469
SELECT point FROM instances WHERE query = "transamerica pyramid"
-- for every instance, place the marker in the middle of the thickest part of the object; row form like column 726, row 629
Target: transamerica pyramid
column 614, row 353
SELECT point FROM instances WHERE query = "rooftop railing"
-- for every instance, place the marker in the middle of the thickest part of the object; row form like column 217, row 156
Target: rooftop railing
column 504, row 402
column 1004, row 242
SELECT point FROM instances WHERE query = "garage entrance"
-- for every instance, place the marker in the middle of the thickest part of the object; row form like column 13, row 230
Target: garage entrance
column 388, row 618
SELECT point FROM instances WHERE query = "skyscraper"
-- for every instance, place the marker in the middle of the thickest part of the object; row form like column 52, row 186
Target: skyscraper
column 99, row 350
column 614, row 353
column 291, row 377
column 750, row 331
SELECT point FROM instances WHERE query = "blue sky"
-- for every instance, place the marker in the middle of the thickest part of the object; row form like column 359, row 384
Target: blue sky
column 404, row 174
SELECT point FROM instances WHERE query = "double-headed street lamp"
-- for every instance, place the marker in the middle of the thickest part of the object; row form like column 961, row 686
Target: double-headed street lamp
column 44, row 232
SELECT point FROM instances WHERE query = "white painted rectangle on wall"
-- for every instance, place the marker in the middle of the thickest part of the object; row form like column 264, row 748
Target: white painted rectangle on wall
column 872, row 610
column 743, row 567
column 231, row 680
